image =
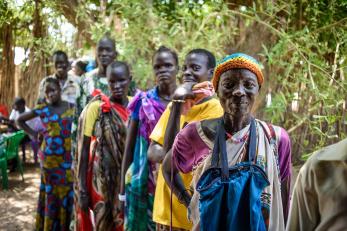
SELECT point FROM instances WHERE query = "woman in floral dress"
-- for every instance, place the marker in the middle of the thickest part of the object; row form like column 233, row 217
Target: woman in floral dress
column 56, row 189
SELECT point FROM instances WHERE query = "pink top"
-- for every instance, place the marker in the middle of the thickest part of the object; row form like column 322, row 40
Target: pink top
column 189, row 150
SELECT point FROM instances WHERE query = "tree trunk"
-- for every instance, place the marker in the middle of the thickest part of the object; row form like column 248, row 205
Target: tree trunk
column 7, row 74
column 37, row 61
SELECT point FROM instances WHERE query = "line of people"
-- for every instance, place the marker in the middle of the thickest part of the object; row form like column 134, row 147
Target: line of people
column 169, row 158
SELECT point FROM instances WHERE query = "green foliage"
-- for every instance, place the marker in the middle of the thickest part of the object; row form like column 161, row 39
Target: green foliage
column 181, row 26
column 22, row 17
column 310, row 62
column 303, row 53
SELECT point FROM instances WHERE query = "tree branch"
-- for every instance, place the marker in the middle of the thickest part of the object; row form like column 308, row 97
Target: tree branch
column 69, row 9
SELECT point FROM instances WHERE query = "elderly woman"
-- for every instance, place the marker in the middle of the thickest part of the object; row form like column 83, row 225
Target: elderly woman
column 235, row 139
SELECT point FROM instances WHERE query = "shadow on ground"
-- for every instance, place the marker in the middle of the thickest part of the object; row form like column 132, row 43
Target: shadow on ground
column 18, row 203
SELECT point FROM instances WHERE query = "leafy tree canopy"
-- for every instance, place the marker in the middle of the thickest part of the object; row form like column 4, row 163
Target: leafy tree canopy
column 301, row 43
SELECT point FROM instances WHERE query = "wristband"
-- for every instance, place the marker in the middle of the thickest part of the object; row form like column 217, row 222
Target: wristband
column 178, row 101
column 122, row 197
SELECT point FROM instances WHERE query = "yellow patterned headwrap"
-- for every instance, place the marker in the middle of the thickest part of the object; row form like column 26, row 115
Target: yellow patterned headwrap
column 237, row 60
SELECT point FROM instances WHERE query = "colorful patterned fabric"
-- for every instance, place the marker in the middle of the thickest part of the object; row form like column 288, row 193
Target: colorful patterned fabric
column 88, row 84
column 103, row 176
column 146, row 108
column 237, row 60
column 56, row 189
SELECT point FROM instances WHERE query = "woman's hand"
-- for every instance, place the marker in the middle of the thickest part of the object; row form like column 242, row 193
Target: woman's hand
column 83, row 200
column 184, row 92
column 121, row 206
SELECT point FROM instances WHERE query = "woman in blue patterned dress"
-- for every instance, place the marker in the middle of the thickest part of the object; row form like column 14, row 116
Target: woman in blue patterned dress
column 56, row 189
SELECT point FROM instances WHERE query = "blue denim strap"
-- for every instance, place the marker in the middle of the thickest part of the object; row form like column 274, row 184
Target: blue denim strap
column 219, row 150
column 216, row 147
column 223, row 153
column 252, row 142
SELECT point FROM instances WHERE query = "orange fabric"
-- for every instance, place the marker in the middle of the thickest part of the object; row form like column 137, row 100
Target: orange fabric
column 201, row 91
column 84, row 220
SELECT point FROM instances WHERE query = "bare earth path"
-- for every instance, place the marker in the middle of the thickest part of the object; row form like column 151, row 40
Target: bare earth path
column 18, row 204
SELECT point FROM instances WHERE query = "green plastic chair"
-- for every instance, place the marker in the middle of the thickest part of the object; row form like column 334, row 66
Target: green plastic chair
column 3, row 163
column 11, row 152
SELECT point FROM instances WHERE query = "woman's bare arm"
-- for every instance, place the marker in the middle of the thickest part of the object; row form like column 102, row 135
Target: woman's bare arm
column 21, row 122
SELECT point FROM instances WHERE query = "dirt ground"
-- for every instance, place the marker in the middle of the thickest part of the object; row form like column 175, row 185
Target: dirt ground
column 18, row 204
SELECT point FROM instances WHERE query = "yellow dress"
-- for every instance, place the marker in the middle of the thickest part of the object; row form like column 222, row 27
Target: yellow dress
column 161, row 209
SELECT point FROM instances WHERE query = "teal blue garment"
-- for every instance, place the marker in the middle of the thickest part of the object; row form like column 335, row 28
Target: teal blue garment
column 138, row 199
column 146, row 108
column 230, row 198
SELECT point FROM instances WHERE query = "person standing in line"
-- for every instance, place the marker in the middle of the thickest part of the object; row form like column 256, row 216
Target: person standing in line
column 197, row 91
column 96, row 79
column 101, row 140
column 56, row 189
column 91, row 84
column 138, row 183
column 69, row 84
column 237, row 80
column 78, row 67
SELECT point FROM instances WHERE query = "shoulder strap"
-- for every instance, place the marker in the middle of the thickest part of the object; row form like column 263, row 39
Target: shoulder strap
column 216, row 148
column 252, row 146
column 269, row 131
column 209, row 127
column 219, row 153
column 270, row 135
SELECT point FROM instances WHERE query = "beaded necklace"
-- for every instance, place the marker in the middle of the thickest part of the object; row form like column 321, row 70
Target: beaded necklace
column 237, row 140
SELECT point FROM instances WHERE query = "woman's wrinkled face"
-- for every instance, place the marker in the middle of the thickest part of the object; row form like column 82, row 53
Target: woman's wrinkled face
column 52, row 92
column 165, row 68
column 118, row 82
column 237, row 91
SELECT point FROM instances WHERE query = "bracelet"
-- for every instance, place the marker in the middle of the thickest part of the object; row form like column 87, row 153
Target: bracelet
column 122, row 197
column 178, row 101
